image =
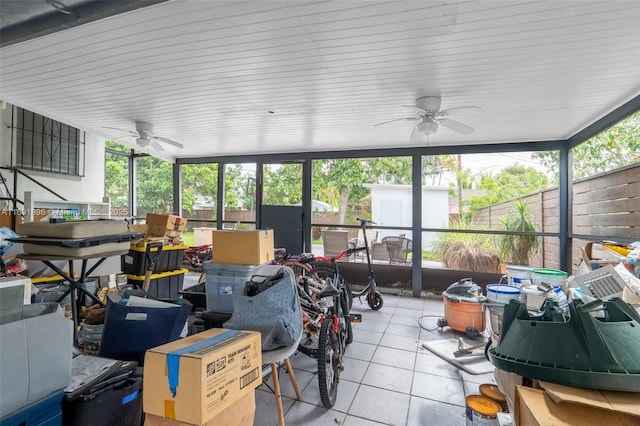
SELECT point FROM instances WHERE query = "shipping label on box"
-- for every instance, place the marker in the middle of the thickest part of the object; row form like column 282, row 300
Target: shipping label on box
column 195, row 378
column 243, row 247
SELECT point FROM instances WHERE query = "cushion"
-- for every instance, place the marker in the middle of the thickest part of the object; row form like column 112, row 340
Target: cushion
column 73, row 229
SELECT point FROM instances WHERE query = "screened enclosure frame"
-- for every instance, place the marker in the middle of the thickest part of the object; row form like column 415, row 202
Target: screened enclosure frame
column 564, row 147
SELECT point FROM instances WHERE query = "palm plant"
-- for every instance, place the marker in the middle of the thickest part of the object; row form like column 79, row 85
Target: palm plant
column 517, row 249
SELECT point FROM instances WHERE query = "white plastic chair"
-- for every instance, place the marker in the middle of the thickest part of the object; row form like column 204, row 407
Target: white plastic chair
column 273, row 359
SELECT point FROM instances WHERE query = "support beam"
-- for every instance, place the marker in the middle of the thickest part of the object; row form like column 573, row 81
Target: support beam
column 416, row 224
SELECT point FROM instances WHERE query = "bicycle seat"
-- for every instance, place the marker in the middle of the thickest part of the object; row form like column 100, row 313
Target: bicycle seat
column 329, row 289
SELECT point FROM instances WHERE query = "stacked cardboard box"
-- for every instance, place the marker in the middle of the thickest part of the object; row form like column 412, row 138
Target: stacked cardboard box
column 195, row 379
column 243, row 247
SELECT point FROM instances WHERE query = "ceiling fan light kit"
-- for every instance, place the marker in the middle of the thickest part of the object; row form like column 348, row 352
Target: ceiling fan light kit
column 427, row 126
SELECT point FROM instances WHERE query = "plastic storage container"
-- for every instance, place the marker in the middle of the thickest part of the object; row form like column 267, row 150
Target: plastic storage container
column 519, row 275
column 498, row 296
column 223, row 280
column 46, row 412
column 169, row 259
column 166, row 285
column 553, row 277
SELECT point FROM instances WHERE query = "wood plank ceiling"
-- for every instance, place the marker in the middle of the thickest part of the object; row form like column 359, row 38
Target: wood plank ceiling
column 256, row 77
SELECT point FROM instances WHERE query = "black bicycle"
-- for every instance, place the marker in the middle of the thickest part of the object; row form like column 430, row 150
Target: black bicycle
column 327, row 328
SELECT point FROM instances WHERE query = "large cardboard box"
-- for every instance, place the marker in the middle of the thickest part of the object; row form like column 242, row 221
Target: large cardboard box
column 165, row 225
column 243, row 247
column 35, row 354
column 193, row 379
column 240, row 413
column 561, row 405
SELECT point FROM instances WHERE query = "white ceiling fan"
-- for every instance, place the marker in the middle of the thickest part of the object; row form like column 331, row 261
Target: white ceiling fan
column 146, row 137
column 430, row 116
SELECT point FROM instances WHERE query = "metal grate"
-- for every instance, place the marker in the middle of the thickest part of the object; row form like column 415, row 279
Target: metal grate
column 47, row 145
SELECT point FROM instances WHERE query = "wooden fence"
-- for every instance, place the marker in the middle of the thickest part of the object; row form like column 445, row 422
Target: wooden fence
column 604, row 205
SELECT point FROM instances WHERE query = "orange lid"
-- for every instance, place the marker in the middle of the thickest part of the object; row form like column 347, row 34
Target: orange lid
column 492, row 391
column 483, row 405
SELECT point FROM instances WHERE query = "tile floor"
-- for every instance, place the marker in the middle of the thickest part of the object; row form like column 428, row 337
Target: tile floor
column 388, row 377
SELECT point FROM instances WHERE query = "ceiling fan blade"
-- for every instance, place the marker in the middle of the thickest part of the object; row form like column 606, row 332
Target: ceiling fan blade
column 122, row 130
column 155, row 145
column 169, row 141
column 397, row 119
column 460, row 110
column 415, row 135
column 455, row 126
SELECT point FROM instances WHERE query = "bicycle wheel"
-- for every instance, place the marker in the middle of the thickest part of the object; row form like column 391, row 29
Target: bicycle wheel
column 329, row 363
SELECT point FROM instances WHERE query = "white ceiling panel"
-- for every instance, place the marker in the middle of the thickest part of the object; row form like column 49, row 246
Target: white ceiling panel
column 253, row 77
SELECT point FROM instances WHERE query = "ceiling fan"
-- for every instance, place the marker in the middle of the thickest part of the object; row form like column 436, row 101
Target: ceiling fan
column 430, row 117
column 145, row 137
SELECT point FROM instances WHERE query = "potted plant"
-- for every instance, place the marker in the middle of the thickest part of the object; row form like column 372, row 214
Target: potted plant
column 517, row 249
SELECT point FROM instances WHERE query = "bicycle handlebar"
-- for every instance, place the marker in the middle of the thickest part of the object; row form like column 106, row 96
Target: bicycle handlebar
column 364, row 221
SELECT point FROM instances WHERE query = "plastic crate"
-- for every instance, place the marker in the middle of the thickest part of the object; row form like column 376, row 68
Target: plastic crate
column 46, row 412
column 223, row 280
column 170, row 259
column 166, row 285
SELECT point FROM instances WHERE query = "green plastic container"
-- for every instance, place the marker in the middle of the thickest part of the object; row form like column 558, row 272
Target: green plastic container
column 553, row 277
column 582, row 351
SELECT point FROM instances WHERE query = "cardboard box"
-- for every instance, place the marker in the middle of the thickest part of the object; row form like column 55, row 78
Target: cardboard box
column 35, row 354
column 193, row 379
column 240, row 413
column 560, row 405
column 202, row 236
column 243, row 247
column 165, row 225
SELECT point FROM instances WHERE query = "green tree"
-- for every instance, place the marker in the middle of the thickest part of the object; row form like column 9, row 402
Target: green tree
column 616, row 147
column 283, row 184
column 198, row 180
column 435, row 166
column 154, row 185
column 116, row 182
column 512, row 182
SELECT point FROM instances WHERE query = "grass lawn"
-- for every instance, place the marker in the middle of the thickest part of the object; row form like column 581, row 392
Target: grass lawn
column 187, row 237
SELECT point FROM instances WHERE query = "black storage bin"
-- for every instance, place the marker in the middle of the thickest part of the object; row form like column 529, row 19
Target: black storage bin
column 166, row 285
column 196, row 295
column 169, row 259
column 117, row 404
column 214, row 319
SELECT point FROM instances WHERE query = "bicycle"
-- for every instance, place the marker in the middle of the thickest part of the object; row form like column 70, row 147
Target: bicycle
column 327, row 327
column 325, row 267
column 195, row 256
